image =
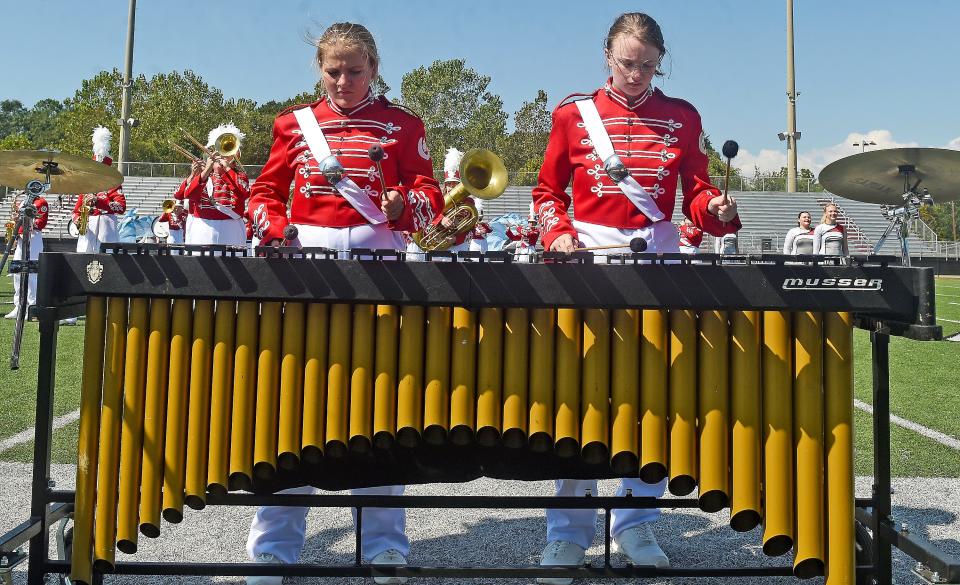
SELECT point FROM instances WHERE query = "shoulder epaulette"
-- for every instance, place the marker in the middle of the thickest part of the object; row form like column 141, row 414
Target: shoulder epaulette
column 574, row 97
column 289, row 109
column 398, row 106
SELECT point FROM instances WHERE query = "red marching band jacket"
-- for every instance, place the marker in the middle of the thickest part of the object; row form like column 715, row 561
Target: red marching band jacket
column 105, row 203
column 519, row 233
column 690, row 235
column 39, row 222
column 176, row 219
column 481, row 231
column 407, row 168
column 462, row 236
column 658, row 138
column 231, row 189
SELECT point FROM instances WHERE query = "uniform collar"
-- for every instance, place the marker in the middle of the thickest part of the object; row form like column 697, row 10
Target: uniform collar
column 621, row 98
column 366, row 101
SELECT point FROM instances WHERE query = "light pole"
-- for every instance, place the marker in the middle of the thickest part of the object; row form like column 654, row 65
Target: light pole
column 863, row 144
column 791, row 135
column 126, row 122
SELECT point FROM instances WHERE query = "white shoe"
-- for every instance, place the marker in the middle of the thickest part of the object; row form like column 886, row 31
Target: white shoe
column 641, row 546
column 11, row 315
column 561, row 553
column 269, row 559
column 389, row 558
column 70, row 321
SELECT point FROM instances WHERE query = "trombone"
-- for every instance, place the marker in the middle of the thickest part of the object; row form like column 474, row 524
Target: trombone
column 227, row 145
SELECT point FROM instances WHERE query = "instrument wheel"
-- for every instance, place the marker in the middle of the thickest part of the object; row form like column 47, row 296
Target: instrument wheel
column 864, row 551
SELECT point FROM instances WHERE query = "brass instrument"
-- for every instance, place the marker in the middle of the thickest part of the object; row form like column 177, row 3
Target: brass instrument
column 84, row 218
column 167, row 205
column 12, row 220
column 483, row 176
column 227, row 145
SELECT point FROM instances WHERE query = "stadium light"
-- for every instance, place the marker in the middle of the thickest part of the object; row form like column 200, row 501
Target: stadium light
column 863, row 144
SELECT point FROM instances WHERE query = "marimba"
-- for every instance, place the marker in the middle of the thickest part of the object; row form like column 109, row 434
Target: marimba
column 207, row 373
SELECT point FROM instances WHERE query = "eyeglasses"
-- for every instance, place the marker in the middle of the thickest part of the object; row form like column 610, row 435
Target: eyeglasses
column 645, row 67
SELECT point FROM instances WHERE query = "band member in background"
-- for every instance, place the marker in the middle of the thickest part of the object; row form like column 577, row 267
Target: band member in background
column 690, row 237
column 36, row 246
column 799, row 240
column 478, row 237
column 830, row 237
column 217, row 195
column 526, row 238
column 657, row 141
column 451, row 178
column 102, row 208
column 726, row 244
column 176, row 221
column 343, row 209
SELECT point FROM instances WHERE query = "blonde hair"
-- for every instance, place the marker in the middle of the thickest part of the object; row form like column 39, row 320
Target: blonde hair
column 347, row 36
column 640, row 26
column 825, row 208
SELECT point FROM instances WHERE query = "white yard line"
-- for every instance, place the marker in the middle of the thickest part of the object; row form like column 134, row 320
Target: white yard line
column 947, row 320
column 937, row 436
column 26, row 436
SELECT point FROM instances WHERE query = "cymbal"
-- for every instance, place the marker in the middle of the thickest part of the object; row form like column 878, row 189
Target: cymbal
column 875, row 177
column 72, row 174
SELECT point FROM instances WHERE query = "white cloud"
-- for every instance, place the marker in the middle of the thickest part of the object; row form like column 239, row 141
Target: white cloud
column 817, row 158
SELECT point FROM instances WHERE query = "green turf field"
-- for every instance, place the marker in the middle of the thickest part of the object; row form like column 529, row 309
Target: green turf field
column 924, row 381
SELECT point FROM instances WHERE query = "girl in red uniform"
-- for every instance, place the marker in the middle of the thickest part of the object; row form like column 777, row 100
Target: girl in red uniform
column 218, row 196
column 104, row 206
column 341, row 201
column 624, row 146
column 36, row 246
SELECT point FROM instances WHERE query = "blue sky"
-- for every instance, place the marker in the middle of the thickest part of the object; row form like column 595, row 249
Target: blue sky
column 876, row 68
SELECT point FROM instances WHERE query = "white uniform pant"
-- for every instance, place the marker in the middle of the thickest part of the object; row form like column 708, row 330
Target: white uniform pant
column 36, row 246
column 660, row 237
column 280, row 530
column 478, row 245
column 416, row 254
column 175, row 237
column 101, row 229
column 230, row 232
column 580, row 526
column 689, row 250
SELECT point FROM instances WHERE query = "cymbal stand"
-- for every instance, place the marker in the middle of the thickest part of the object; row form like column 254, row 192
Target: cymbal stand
column 24, row 267
column 913, row 199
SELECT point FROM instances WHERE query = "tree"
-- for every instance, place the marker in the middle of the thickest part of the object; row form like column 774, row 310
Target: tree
column 18, row 141
column 456, row 108
column 42, row 124
column 12, row 117
column 523, row 150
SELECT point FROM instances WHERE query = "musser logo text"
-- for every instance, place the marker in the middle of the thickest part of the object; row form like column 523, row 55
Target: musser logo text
column 833, row 284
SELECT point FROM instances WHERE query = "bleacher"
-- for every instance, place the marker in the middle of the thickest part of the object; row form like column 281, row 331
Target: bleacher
column 766, row 215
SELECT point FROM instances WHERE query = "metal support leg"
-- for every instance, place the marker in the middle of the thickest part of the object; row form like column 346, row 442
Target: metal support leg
column 358, row 557
column 883, row 545
column 46, row 379
column 606, row 537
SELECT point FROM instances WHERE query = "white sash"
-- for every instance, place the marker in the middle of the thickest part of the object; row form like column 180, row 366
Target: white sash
column 217, row 205
column 635, row 192
column 317, row 143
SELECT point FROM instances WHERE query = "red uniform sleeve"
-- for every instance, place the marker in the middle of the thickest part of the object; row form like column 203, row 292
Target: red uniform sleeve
column 180, row 193
column 267, row 207
column 111, row 201
column 194, row 188
column 550, row 199
column 76, row 208
column 164, row 217
column 532, row 236
column 695, row 182
column 422, row 197
column 43, row 211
